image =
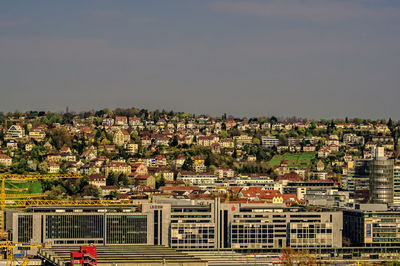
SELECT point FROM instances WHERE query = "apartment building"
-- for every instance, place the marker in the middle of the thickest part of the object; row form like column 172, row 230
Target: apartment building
column 269, row 141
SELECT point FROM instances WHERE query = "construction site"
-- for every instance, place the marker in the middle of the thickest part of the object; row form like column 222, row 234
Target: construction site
column 163, row 231
column 36, row 231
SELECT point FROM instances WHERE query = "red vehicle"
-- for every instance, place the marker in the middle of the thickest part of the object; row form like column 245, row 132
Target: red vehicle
column 86, row 256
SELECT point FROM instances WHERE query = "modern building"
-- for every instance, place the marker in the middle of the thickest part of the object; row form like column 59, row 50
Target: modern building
column 194, row 225
column 269, row 141
column 396, row 184
column 372, row 226
column 381, row 177
column 77, row 226
column 373, row 179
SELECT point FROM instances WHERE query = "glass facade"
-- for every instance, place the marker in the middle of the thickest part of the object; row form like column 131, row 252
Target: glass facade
column 126, row 229
column 74, row 226
column 192, row 235
column 25, row 228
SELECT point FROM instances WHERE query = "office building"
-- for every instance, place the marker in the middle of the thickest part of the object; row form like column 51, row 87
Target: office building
column 374, row 226
column 202, row 225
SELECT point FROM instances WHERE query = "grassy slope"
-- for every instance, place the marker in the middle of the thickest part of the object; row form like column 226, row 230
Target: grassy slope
column 294, row 160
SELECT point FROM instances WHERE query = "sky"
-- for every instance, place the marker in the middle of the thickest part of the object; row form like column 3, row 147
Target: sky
column 246, row 58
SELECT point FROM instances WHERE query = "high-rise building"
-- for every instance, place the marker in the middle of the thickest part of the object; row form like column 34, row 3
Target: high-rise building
column 381, row 177
column 396, row 184
column 373, row 178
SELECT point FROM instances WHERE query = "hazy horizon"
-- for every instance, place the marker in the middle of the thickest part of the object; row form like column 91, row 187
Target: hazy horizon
column 247, row 58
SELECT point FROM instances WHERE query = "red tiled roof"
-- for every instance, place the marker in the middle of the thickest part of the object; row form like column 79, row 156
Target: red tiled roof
column 181, row 188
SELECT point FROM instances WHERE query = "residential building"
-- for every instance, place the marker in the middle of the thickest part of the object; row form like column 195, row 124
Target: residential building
column 5, row 160
column 121, row 137
column 37, row 134
column 15, row 132
column 269, row 141
column 97, row 180
column 118, row 168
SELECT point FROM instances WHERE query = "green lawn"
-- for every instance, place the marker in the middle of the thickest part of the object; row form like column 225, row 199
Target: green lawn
column 294, row 160
column 33, row 187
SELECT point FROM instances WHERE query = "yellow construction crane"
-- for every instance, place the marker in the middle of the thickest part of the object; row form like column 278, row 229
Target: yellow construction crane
column 9, row 246
column 6, row 197
column 25, row 203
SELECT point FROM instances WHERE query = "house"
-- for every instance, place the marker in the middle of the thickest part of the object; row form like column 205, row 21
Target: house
column 118, row 168
column 224, row 173
column 161, row 160
column 121, row 121
column 309, row 148
column 198, row 164
column 283, row 168
column 324, row 152
column 29, row 146
column 135, row 122
column 139, row 169
column 121, row 137
column 334, row 148
column 333, row 140
column 68, row 157
column 207, row 140
column 53, row 157
column 106, row 190
column 89, row 169
column 37, row 134
column 269, row 141
column 132, row 148
column 243, row 140
column 110, row 148
column 145, row 180
column 216, row 148
column 15, row 132
column 12, row 144
column 201, row 179
column 227, row 143
column 146, row 141
column 320, row 166
column 179, row 161
column 187, row 189
column 65, row 150
column 180, row 126
column 161, row 140
column 53, row 168
column 168, row 175
column 5, row 160
column 370, row 145
column 97, row 180
column 90, row 153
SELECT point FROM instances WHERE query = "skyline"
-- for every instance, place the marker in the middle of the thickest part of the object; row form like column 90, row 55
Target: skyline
column 313, row 59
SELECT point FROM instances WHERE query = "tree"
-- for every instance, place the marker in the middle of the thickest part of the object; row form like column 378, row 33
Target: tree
column 188, row 164
column 273, row 120
column 43, row 166
column 256, row 141
column 297, row 257
column 61, row 137
column 111, row 179
column 160, row 182
column 174, row 141
column 223, row 134
column 56, row 192
column 123, row 180
column 90, row 190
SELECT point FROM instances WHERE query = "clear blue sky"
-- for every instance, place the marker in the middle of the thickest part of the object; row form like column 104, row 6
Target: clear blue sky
column 308, row 58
